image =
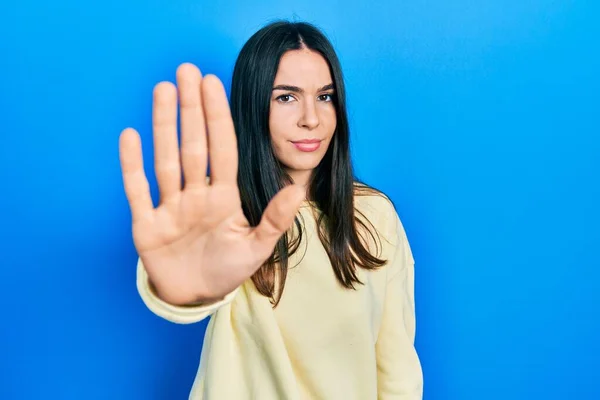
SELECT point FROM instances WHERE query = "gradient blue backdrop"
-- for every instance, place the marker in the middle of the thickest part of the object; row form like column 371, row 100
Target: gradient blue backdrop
column 480, row 119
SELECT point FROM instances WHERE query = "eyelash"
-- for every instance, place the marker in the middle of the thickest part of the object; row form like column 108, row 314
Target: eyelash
column 289, row 95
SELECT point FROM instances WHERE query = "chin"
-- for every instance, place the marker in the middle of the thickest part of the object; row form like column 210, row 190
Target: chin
column 302, row 166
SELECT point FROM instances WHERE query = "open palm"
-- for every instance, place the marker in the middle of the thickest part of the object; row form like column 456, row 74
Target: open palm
column 197, row 245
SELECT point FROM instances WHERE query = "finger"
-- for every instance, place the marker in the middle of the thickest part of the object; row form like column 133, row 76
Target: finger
column 193, row 132
column 166, row 149
column 277, row 218
column 222, row 142
column 135, row 182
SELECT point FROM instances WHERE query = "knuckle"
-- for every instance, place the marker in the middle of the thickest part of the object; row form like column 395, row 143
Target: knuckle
column 167, row 168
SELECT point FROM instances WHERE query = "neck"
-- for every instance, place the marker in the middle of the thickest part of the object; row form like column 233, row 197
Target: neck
column 301, row 178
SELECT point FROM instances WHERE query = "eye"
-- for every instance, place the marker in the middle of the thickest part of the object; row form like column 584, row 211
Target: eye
column 285, row 98
column 326, row 97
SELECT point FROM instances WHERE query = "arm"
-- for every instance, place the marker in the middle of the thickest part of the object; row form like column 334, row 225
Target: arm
column 177, row 314
column 399, row 373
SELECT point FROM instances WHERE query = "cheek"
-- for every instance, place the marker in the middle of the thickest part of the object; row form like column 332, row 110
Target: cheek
column 279, row 123
column 277, row 129
column 278, row 140
column 329, row 118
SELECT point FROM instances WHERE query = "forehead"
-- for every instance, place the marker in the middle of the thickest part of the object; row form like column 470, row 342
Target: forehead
column 304, row 68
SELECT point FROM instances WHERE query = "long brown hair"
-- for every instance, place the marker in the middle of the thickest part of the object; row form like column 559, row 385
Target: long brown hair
column 342, row 228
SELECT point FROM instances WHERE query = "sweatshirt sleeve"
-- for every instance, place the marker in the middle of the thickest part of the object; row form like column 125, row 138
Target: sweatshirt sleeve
column 399, row 372
column 178, row 314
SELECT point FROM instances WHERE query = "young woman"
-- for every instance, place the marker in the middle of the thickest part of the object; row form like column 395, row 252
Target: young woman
column 306, row 272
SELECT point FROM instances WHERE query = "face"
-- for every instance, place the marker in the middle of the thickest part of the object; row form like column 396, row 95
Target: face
column 302, row 118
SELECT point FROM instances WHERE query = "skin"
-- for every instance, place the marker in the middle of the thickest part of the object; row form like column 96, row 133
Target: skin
column 197, row 244
column 307, row 112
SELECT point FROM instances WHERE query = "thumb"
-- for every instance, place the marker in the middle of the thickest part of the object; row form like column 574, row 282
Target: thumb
column 278, row 218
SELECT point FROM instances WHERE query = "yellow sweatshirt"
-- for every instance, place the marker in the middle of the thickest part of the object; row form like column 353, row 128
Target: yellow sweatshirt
column 322, row 341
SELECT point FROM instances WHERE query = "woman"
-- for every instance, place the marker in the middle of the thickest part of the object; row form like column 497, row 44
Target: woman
column 307, row 273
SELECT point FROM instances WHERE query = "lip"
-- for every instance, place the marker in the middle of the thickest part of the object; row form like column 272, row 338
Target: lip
column 307, row 141
column 307, row 145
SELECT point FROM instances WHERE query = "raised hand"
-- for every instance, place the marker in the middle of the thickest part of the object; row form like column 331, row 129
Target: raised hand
column 197, row 245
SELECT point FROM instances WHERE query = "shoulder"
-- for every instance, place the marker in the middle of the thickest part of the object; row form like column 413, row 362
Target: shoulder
column 376, row 206
column 382, row 214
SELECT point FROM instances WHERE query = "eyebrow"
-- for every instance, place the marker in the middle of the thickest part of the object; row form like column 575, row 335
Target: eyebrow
column 300, row 90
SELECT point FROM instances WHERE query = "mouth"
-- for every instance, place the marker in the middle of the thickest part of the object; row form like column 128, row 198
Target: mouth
column 307, row 141
column 307, row 145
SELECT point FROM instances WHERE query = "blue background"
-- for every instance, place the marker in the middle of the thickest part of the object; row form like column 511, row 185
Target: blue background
column 480, row 119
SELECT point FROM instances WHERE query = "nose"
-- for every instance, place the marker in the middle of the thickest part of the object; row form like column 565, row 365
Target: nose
column 310, row 116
